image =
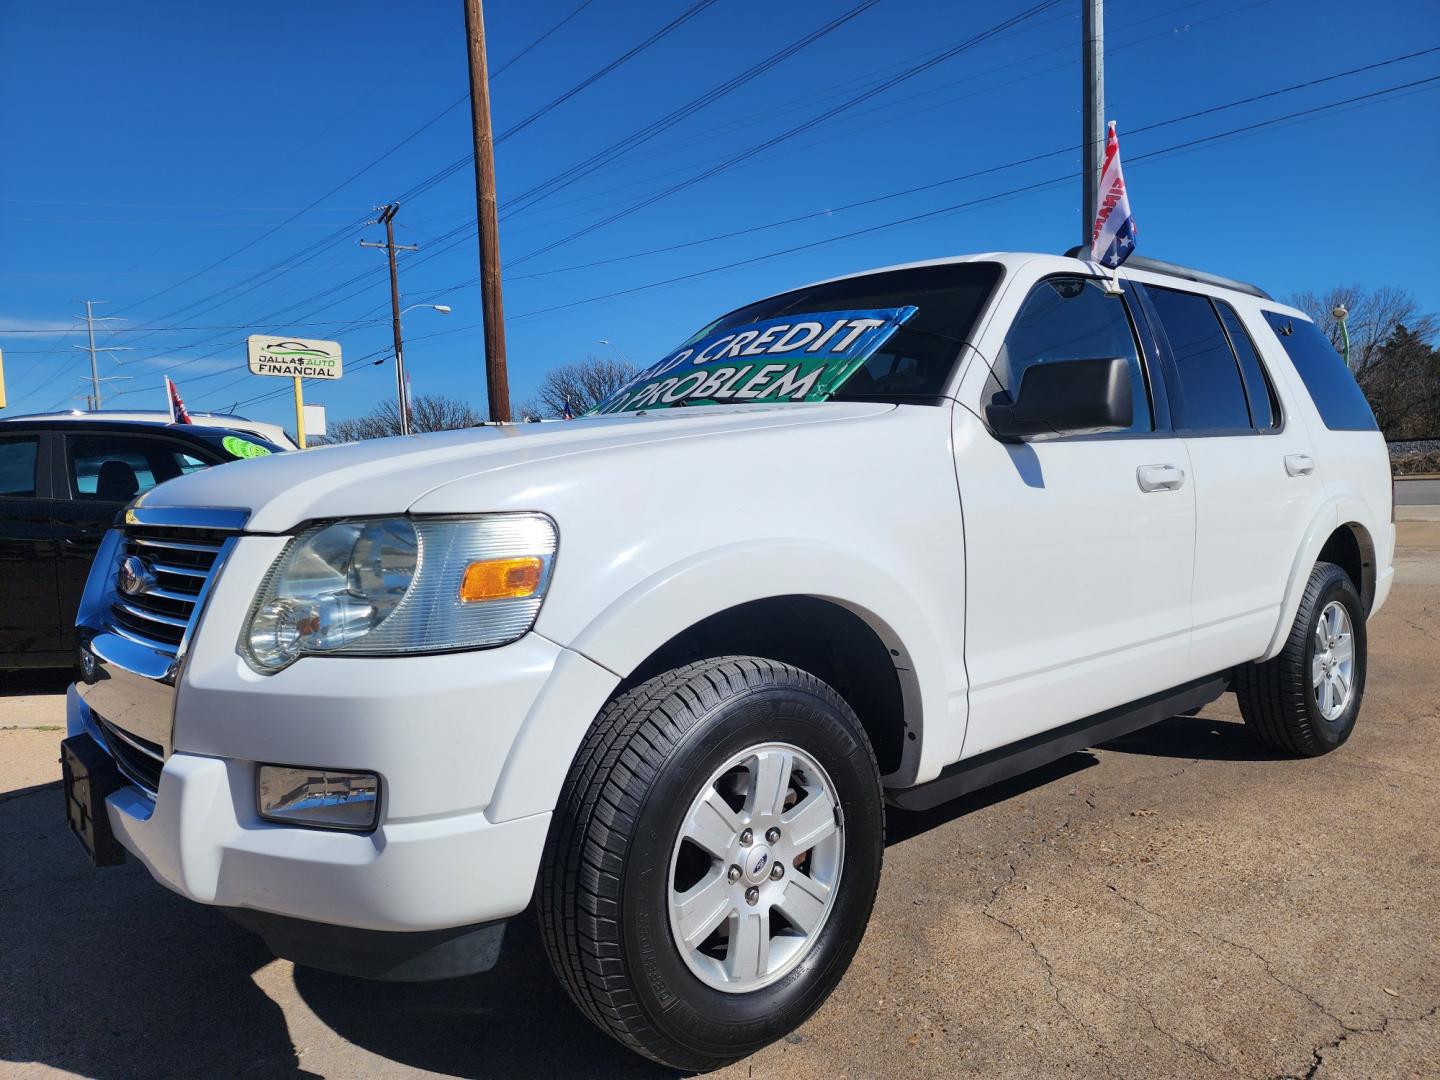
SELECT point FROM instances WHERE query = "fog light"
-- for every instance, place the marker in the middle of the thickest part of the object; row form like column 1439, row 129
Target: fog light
column 319, row 798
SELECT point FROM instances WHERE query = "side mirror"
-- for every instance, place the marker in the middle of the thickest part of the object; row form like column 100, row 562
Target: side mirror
column 1067, row 397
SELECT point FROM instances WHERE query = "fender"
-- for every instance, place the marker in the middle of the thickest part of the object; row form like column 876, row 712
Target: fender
column 623, row 634
column 1334, row 512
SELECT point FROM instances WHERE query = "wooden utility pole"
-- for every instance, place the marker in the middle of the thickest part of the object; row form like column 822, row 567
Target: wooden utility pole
column 1092, row 110
column 402, row 399
column 497, row 380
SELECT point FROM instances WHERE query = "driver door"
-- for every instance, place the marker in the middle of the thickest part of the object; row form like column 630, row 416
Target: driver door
column 1079, row 549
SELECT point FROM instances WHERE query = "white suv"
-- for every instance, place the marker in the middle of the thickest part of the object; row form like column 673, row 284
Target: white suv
column 658, row 671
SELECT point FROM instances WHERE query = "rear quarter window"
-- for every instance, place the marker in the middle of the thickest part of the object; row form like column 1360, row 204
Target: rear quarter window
column 1337, row 396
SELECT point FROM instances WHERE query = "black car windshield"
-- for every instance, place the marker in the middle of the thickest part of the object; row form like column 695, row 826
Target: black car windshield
column 239, row 444
column 890, row 336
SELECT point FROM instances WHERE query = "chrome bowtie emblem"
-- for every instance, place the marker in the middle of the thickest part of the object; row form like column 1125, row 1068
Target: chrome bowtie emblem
column 134, row 577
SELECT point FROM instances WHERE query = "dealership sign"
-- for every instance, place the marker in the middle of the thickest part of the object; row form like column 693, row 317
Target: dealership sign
column 294, row 357
column 800, row 357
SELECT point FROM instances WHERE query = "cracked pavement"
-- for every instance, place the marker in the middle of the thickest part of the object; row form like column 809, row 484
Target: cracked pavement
column 1177, row 903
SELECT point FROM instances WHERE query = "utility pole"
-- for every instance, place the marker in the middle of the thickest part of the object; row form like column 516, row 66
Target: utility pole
column 387, row 218
column 497, row 380
column 92, row 401
column 1092, row 109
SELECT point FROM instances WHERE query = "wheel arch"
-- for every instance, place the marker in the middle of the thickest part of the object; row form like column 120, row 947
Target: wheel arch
column 1337, row 534
column 713, row 604
column 836, row 644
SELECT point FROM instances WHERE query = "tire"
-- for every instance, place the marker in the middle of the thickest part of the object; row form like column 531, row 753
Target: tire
column 1279, row 700
column 619, row 844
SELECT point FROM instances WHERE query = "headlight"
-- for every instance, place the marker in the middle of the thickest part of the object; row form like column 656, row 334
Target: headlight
column 395, row 586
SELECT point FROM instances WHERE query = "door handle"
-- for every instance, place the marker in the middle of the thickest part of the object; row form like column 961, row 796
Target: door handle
column 1160, row 477
column 1299, row 464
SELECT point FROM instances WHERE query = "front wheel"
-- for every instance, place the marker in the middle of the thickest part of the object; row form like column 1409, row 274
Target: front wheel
column 713, row 859
column 1305, row 701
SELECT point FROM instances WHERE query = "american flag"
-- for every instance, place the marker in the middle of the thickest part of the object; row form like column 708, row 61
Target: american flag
column 178, row 414
column 1113, row 238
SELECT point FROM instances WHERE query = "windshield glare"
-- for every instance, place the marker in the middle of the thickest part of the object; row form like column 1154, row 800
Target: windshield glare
column 892, row 336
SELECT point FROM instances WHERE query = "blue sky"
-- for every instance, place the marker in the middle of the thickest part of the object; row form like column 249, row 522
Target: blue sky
column 146, row 145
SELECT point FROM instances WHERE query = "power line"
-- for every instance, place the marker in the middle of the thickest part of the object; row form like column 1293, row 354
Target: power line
column 909, row 73
column 1298, row 114
column 463, row 233
column 355, row 175
column 539, row 191
column 828, row 211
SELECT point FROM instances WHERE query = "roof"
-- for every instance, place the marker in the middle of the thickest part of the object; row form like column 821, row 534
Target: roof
column 1204, row 277
column 199, row 432
column 1013, row 259
column 272, row 433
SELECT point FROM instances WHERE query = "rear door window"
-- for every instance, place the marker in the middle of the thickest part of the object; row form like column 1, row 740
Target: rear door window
column 18, row 466
column 110, row 468
column 1264, row 404
column 1336, row 394
column 1212, row 395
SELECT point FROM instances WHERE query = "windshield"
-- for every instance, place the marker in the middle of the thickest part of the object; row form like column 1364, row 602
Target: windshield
column 240, row 444
column 891, row 336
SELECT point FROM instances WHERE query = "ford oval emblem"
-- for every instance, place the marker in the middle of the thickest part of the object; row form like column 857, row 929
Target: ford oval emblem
column 135, row 577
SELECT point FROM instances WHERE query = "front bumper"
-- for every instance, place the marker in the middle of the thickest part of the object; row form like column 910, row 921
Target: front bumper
column 437, row 729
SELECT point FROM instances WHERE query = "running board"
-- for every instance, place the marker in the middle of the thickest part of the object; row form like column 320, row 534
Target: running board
column 982, row 770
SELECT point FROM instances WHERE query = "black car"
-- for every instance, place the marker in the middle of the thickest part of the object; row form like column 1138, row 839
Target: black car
column 62, row 483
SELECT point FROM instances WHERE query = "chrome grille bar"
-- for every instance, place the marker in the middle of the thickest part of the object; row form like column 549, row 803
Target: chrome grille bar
column 138, row 639
column 177, row 545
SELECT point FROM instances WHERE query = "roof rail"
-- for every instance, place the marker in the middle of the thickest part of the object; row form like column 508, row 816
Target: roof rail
column 1156, row 266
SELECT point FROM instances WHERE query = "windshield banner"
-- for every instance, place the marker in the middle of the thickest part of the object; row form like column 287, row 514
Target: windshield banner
column 803, row 357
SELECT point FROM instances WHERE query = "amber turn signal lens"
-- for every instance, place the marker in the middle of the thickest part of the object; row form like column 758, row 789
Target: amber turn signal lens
column 501, row 579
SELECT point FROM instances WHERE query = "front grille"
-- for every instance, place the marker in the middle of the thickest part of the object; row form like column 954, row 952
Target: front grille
column 139, row 759
column 182, row 561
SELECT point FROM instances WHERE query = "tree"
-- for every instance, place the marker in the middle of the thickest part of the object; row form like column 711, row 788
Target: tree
column 428, row 412
column 1373, row 319
column 1390, row 352
column 578, row 386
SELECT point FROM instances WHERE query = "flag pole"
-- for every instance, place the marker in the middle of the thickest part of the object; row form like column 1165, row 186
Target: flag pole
column 299, row 414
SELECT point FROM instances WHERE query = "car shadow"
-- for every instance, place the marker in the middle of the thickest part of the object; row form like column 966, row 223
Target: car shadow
column 110, row 975
column 902, row 825
column 114, row 976
column 1194, row 737
column 512, row 1021
column 1182, row 737
column 23, row 681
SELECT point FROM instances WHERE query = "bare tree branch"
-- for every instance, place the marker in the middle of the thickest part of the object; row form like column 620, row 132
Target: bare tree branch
column 428, row 412
column 578, row 387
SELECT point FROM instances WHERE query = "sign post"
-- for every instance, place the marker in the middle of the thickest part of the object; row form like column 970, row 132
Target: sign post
column 299, row 414
column 297, row 359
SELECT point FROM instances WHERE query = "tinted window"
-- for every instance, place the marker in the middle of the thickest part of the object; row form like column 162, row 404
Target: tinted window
column 1070, row 318
column 116, row 469
column 1336, row 395
column 1212, row 396
column 17, row 466
column 1264, row 405
column 916, row 362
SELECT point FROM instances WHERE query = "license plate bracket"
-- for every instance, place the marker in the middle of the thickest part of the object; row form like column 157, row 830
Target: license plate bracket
column 90, row 776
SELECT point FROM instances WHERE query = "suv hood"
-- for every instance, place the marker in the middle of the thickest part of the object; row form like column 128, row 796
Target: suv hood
column 388, row 476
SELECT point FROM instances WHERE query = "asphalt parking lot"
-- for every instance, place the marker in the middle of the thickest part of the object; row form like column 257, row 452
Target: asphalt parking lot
column 1178, row 903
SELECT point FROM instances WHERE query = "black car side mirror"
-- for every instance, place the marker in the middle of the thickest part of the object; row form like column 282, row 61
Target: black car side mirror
column 1067, row 397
